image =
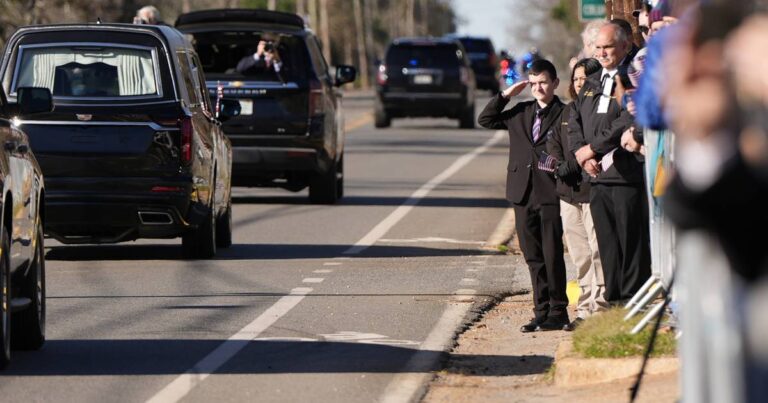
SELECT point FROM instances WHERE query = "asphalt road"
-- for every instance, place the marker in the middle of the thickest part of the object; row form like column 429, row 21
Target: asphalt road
column 353, row 302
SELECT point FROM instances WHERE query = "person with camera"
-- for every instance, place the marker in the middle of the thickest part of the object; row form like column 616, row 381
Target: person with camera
column 264, row 60
column 618, row 201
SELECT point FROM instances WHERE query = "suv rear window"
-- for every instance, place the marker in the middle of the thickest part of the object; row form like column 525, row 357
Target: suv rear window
column 477, row 45
column 439, row 55
column 221, row 51
column 88, row 71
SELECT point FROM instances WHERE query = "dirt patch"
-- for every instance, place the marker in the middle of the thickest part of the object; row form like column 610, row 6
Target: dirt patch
column 494, row 362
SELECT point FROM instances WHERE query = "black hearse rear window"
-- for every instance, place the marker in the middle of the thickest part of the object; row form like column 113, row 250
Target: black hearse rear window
column 88, row 71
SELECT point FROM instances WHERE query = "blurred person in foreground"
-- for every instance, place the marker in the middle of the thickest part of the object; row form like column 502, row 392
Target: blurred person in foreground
column 531, row 189
column 573, row 189
column 618, row 201
column 715, row 96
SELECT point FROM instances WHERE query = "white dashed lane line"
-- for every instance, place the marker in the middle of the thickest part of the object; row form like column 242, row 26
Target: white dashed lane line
column 184, row 383
column 313, row 280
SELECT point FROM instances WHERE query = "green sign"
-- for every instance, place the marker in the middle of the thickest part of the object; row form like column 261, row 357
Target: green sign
column 591, row 9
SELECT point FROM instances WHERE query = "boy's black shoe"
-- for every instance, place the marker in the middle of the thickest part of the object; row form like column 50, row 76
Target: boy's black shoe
column 533, row 325
column 554, row 323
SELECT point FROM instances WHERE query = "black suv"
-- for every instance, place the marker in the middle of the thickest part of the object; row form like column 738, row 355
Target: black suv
column 22, row 253
column 484, row 62
column 133, row 148
column 290, row 133
column 425, row 77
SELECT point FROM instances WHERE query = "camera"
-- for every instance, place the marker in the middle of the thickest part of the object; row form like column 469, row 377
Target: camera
column 269, row 47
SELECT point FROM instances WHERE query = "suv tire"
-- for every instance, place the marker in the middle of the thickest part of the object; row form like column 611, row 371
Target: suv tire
column 28, row 330
column 323, row 187
column 467, row 118
column 380, row 118
column 340, row 178
column 224, row 228
column 200, row 243
column 5, row 299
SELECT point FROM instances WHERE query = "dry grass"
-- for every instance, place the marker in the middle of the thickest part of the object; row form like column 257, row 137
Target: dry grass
column 607, row 336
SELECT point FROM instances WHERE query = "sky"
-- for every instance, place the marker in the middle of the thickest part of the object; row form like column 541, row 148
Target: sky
column 488, row 18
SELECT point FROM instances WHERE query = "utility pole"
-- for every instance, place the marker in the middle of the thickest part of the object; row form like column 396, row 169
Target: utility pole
column 424, row 17
column 300, row 8
column 324, row 32
column 271, row 4
column 409, row 18
column 362, row 54
column 312, row 9
column 368, row 25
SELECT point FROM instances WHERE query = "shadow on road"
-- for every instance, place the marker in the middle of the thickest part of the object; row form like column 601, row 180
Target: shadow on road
column 248, row 251
column 168, row 357
column 473, row 202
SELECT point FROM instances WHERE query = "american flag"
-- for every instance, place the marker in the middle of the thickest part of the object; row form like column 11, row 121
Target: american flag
column 547, row 162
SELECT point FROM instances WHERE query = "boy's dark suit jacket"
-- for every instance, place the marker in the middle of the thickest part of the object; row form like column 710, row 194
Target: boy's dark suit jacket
column 526, row 184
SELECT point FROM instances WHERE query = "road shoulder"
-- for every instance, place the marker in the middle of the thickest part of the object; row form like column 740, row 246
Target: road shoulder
column 493, row 362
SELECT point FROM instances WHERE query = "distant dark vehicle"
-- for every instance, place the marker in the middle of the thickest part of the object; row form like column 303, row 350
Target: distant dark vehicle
column 22, row 253
column 133, row 148
column 290, row 133
column 425, row 77
column 484, row 61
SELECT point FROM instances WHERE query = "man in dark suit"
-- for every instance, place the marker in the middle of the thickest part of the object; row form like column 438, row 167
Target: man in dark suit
column 618, row 200
column 531, row 189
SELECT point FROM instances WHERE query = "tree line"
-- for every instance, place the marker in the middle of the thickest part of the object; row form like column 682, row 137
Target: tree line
column 354, row 32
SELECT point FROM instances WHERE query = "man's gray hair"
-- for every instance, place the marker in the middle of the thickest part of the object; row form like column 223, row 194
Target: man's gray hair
column 149, row 13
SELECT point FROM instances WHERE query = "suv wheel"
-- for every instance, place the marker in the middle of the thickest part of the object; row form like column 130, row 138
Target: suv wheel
column 200, row 243
column 224, row 228
column 380, row 117
column 28, row 328
column 323, row 188
column 340, row 178
column 5, row 300
column 467, row 118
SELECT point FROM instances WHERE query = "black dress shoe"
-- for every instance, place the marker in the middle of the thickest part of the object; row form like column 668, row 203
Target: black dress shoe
column 573, row 325
column 532, row 326
column 554, row 323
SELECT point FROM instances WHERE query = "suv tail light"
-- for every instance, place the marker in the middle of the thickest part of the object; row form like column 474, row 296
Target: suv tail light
column 464, row 74
column 185, row 126
column 316, row 106
column 381, row 75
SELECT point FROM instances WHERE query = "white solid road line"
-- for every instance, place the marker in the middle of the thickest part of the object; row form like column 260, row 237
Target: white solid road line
column 184, row 383
column 404, row 386
column 385, row 225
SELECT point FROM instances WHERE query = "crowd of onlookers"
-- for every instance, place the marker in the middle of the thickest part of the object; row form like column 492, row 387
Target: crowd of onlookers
column 698, row 76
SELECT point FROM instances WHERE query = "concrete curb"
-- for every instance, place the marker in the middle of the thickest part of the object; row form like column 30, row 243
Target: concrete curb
column 571, row 370
column 504, row 234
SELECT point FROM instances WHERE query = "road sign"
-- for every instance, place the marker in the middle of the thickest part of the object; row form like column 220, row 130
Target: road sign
column 591, row 9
